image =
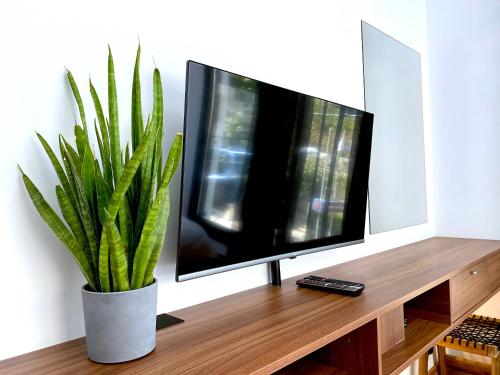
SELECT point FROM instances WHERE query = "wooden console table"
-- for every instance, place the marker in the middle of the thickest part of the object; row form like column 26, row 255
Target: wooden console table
column 435, row 283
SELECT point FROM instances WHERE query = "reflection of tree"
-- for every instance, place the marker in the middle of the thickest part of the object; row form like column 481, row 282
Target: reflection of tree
column 241, row 106
column 227, row 158
column 321, row 154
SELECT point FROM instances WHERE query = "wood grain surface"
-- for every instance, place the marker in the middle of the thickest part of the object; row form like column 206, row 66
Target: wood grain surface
column 469, row 287
column 494, row 272
column 264, row 329
column 391, row 329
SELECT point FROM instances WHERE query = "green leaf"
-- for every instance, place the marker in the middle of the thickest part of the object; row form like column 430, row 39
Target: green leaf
column 159, row 165
column 86, row 214
column 158, row 118
column 99, row 141
column 157, row 99
column 59, row 171
column 114, row 130
column 88, row 176
column 98, row 108
column 146, row 243
column 145, row 193
column 151, row 228
column 128, row 174
column 154, row 183
column 98, row 224
column 71, row 181
column 105, row 154
column 127, row 153
column 131, row 190
column 125, row 220
column 98, row 171
column 137, row 122
column 81, row 140
column 103, row 195
column 59, row 229
column 144, row 200
column 71, row 217
column 77, row 96
column 153, row 156
column 74, row 223
column 97, row 168
column 104, row 263
column 161, row 229
column 117, row 255
column 137, row 129
column 174, row 156
column 74, row 155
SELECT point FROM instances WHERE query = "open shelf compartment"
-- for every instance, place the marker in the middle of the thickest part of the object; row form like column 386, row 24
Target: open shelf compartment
column 353, row 353
column 428, row 316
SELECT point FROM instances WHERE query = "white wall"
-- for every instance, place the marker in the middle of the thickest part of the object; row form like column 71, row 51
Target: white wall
column 464, row 92
column 312, row 47
column 464, row 56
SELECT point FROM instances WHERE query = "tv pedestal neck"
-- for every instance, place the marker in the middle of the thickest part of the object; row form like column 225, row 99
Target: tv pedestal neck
column 275, row 272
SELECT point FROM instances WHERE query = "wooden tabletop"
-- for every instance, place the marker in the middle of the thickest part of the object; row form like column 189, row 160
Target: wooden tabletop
column 266, row 328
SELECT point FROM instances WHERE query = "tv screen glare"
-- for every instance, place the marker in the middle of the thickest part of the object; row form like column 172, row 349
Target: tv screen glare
column 268, row 173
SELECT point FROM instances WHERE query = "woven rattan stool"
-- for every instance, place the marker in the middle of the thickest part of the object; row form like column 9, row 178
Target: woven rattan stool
column 478, row 335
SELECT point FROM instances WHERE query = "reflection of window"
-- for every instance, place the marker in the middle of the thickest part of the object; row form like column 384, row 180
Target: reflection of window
column 323, row 172
column 228, row 151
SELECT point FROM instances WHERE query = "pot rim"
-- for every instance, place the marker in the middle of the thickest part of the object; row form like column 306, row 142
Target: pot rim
column 84, row 290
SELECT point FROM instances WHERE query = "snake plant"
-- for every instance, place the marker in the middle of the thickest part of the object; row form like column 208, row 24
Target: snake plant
column 115, row 205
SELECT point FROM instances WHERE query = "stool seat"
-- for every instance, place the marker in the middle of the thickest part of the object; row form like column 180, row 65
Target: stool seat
column 477, row 334
column 477, row 330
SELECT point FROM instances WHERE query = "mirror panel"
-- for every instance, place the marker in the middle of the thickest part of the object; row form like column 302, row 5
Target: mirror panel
column 393, row 93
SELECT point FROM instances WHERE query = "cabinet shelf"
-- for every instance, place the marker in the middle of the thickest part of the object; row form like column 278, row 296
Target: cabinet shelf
column 419, row 333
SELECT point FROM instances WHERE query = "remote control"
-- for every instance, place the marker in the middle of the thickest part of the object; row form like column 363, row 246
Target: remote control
column 347, row 288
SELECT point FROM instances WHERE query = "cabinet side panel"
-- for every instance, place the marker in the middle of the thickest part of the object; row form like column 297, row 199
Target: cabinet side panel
column 391, row 329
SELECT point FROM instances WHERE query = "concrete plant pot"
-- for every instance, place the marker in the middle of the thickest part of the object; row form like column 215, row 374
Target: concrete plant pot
column 120, row 326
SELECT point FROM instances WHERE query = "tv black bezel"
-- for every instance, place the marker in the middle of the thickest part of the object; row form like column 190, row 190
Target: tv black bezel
column 296, row 249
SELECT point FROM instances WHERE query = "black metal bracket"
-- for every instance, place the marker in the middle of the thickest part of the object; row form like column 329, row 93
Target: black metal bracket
column 165, row 320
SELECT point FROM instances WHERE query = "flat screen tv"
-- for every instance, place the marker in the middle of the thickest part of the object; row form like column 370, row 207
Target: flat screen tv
column 268, row 173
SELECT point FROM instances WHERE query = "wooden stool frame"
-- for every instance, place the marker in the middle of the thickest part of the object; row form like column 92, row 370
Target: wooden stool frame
column 483, row 334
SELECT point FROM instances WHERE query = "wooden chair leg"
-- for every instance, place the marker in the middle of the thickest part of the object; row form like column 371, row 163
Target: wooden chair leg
column 442, row 360
column 423, row 364
column 495, row 366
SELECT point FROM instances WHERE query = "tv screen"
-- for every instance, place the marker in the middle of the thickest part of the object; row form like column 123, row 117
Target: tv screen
column 268, row 173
